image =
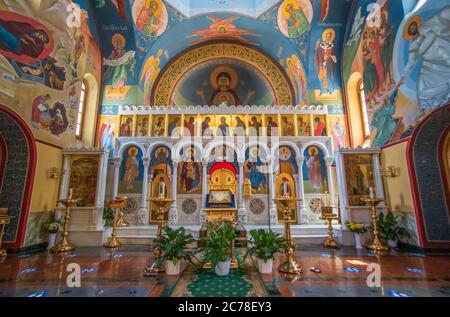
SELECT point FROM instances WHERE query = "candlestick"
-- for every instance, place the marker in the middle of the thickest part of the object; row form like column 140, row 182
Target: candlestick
column 372, row 192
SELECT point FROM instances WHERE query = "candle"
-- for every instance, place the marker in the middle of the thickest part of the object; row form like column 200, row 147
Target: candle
column 285, row 189
column 70, row 193
column 162, row 190
column 372, row 192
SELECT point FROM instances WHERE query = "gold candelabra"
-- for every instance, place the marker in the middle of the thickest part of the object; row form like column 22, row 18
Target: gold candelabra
column 116, row 204
column 122, row 222
column 290, row 265
column 376, row 244
column 4, row 220
column 64, row 245
column 328, row 216
column 162, row 203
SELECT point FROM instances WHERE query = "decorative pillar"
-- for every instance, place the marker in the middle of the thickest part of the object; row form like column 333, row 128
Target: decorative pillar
column 302, row 216
column 378, row 179
column 64, row 188
column 143, row 211
column 173, row 214
column 97, row 216
column 329, row 162
column 273, row 215
column 204, row 190
column 117, row 163
column 242, row 213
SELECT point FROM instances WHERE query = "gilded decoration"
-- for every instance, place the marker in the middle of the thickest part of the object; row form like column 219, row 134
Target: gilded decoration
column 83, row 180
column 176, row 70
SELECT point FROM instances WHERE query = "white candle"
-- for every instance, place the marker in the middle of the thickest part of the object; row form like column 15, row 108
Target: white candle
column 372, row 193
column 70, row 193
column 162, row 190
column 285, row 189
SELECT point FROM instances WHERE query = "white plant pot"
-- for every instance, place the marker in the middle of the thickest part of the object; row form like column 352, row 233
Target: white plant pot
column 265, row 267
column 392, row 243
column 172, row 269
column 223, row 268
column 51, row 240
column 358, row 244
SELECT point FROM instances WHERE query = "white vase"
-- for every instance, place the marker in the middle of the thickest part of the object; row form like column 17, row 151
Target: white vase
column 51, row 240
column 172, row 269
column 392, row 243
column 223, row 268
column 358, row 244
column 265, row 267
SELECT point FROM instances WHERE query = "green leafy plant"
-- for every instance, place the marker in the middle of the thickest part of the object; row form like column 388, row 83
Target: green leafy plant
column 173, row 243
column 217, row 244
column 264, row 244
column 358, row 228
column 389, row 228
column 108, row 214
column 51, row 224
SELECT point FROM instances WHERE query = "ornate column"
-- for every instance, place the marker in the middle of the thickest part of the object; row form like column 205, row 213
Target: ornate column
column 378, row 179
column 64, row 187
column 204, row 190
column 272, row 207
column 143, row 211
column 302, row 216
column 173, row 214
column 97, row 216
column 117, row 163
column 329, row 162
column 242, row 212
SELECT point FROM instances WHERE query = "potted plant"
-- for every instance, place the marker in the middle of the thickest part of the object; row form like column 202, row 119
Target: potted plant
column 52, row 226
column 390, row 230
column 357, row 229
column 173, row 243
column 218, row 247
column 264, row 244
column 108, row 216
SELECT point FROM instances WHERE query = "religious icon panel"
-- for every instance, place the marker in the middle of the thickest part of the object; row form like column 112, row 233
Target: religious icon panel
column 142, row 126
column 359, row 177
column 131, row 171
column 314, row 171
column 126, row 126
column 159, row 125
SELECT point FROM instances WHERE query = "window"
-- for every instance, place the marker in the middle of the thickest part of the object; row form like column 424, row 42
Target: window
column 81, row 108
column 364, row 111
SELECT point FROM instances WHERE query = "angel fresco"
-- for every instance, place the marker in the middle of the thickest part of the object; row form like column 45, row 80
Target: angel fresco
column 297, row 75
column 149, row 74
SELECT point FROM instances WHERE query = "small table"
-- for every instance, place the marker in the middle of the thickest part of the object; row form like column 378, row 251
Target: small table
column 4, row 220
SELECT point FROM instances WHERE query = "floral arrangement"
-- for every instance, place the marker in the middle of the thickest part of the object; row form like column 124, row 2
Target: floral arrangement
column 358, row 228
column 53, row 225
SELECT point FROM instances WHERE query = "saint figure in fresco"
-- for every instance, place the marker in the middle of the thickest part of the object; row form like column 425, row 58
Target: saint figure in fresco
column 255, row 175
column 430, row 44
column 272, row 127
column 125, row 128
column 148, row 19
column 314, row 169
column 288, row 127
column 22, row 39
column 255, row 126
column 142, row 128
column 382, row 119
column 297, row 21
column 325, row 60
column 158, row 127
column 205, row 127
column 172, row 126
column 107, row 136
column 240, row 127
column 190, row 176
column 131, row 168
column 40, row 104
column 320, row 129
column 338, row 134
column 224, row 128
column 189, row 125
column 224, row 94
column 119, row 63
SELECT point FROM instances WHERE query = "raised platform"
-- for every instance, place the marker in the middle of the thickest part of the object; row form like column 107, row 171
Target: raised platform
column 308, row 234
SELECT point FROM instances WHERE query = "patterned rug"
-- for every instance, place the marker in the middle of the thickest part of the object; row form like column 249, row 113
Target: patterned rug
column 241, row 282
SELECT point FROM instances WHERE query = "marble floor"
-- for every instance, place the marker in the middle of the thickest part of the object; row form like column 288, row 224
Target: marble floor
column 120, row 274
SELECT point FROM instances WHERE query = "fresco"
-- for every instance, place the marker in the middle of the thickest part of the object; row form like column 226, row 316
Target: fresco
column 326, row 60
column 314, row 171
column 296, row 73
column 294, row 17
column 150, row 17
column 255, row 170
column 47, row 51
column 189, row 173
column 131, row 171
column 223, row 82
column 404, row 71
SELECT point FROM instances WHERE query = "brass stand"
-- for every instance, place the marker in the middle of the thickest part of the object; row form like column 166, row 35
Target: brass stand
column 162, row 204
column 328, row 216
column 64, row 245
column 290, row 266
column 115, row 204
column 4, row 220
column 122, row 222
column 376, row 244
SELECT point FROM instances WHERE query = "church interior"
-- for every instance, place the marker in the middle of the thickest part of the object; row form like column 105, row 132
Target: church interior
column 224, row 148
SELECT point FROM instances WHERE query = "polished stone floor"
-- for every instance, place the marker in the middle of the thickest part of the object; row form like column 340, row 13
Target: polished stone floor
column 120, row 274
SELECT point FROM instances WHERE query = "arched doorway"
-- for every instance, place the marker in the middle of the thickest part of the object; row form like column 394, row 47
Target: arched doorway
column 430, row 179
column 17, row 167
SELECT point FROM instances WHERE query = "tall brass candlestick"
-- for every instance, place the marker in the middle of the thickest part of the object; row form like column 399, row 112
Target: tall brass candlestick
column 116, row 204
column 162, row 204
column 122, row 222
column 376, row 244
column 290, row 265
column 328, row 216
column 64, row 245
